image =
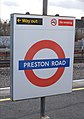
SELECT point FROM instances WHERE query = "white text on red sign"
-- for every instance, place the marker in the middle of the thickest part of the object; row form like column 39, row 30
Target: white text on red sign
column 65, row 22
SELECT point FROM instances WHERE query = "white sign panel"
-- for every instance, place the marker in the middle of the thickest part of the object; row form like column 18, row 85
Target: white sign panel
column 42, row 55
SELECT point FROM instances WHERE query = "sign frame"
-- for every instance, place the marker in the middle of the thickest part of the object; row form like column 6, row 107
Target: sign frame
column 15, row 28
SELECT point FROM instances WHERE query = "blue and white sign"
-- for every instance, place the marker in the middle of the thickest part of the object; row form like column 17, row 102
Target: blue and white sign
column 41, row 55
column 43, row 64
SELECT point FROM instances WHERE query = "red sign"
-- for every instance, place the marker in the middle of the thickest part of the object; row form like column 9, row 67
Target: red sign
column 65, row 22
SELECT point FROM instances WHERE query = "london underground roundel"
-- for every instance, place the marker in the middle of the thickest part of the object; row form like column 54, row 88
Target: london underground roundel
column 29, row 57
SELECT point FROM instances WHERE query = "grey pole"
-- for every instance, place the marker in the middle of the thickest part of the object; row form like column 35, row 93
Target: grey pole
column 42, row 106
column 45, row 2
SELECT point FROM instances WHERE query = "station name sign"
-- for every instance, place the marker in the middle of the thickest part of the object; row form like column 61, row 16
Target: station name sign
column 43, row 64
column 29, row 21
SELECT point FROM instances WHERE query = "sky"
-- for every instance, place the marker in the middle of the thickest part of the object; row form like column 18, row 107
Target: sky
column 73, row 8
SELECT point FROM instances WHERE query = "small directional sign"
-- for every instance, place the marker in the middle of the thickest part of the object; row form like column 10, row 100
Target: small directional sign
column 29, row 21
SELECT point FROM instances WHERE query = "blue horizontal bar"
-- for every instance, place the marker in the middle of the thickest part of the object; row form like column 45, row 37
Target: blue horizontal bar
column 43, row 63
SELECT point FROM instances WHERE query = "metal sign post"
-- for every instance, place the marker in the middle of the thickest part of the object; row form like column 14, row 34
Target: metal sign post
column 45, row 2
column 43, row 116
column 42, row 106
